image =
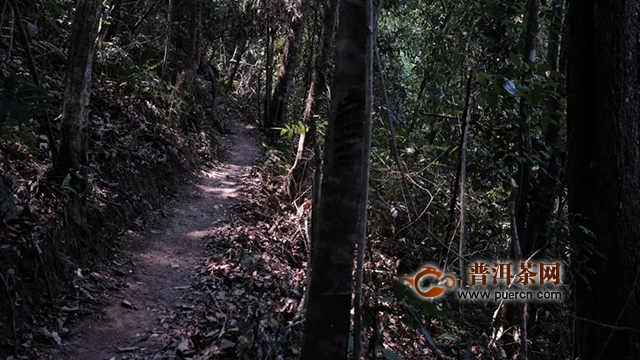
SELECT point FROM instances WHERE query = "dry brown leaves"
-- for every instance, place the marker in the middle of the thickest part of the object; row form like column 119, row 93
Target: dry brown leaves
column 249, row 290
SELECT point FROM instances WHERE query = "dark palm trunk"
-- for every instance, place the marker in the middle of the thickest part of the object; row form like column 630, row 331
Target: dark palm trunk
column 604, row 175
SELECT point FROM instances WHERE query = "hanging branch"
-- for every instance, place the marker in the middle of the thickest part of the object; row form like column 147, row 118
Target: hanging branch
column 24, row 39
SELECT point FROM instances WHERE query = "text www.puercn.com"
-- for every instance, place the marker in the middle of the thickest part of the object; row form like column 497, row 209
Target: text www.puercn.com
column 499, row 295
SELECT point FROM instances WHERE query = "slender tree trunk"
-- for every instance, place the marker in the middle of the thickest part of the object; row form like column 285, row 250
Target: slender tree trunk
column 278, row 105
column 344, row 189
column 543, row 195
column 316, row 89
column 514, row 312
column 604, row 176
column 362, row 233
column 165, row 57
column 72, row 161
column 524, row 171
column 464, row 140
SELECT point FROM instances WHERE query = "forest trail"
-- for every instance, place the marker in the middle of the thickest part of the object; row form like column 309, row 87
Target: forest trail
column 163, row 261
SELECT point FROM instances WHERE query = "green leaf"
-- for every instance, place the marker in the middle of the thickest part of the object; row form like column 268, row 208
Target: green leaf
column 516, row 60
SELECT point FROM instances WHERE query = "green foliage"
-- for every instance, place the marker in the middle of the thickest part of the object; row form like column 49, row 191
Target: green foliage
column 20, row 100
column 289, row 130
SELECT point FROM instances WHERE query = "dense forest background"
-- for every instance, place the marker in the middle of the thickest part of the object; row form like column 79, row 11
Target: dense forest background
column 498, row 129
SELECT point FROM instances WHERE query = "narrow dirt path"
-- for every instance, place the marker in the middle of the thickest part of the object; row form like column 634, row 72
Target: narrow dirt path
column 137, row 321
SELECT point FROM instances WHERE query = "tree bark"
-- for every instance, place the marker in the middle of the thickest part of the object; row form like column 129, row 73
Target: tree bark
column 72, row 161
column 604, row 176
column 278, row 105
column 344, row 189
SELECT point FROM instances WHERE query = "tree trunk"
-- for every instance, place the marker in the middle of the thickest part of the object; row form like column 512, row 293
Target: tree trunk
column 190, row 65
column 317, row 87
column 543, row 195
column 524, row 170
column 278, row 105
column 344, row 189
column 604, row 176
column 167, row 41
column 72, row 161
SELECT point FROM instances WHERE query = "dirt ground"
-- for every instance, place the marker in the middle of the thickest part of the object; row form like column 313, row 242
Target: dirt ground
column 136, row 322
